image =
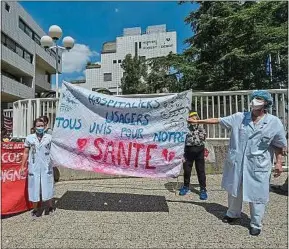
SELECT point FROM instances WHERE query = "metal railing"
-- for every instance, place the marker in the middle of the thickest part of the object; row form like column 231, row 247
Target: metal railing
column 221, row 104
column 207, row 104
column 8, row 113
column 26, row 111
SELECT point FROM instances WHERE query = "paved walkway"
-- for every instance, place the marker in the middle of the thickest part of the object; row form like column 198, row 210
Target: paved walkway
column 143, row 213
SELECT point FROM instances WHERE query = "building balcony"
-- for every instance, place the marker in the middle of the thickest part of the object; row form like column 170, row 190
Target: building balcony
column 12, row 90
column 12, row 58
column 41, row 83
column 47, row 59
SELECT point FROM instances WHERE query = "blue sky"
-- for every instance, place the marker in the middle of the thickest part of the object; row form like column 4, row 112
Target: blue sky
column 93, row 23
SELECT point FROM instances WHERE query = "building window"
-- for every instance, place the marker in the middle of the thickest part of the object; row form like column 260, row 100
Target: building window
column 21, row 25
column 10, row 44
column 11, row 76
column 135, row 48
column 114, row 61
column 3, row 38
column 139, row 45
column 107, row 77
column 119, row 61
column 16, row 48
column 48, row 77
column 36, row 38
column 7, row 7
column 29, row 32
column 25, row 28
column 19, row 51
column 28, row 56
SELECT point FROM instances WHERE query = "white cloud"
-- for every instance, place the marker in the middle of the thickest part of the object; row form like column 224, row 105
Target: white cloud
column 116, row 10
column 75, row 60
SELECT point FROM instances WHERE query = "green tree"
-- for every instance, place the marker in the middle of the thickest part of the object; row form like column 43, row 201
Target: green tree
column 231, row 45
column 160, row 79
column 135, row 74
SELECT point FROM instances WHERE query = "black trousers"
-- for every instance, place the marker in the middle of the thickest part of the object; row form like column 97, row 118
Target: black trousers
column 195, row 154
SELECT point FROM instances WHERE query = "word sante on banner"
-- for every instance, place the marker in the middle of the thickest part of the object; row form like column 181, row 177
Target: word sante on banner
column 141, row 137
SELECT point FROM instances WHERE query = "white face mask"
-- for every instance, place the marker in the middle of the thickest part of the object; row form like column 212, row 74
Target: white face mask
column 257, row 104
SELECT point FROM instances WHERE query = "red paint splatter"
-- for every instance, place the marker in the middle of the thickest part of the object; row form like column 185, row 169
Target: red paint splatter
column 169, row 156
column 81, row 143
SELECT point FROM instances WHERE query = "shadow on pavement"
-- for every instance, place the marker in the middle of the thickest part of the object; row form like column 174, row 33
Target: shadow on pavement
column 218, row 211
column 6, row 216
column 116, row 202
column 280, row 190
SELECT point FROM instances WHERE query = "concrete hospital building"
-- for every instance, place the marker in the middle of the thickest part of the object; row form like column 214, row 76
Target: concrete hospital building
column 26, row 67
column 156, row 41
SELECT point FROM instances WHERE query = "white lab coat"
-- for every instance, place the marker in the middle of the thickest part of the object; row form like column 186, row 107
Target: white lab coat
column 250, row 156
column 40, row 172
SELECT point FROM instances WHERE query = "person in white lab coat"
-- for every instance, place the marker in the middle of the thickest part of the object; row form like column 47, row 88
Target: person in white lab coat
column 255, row 136
column 40, row 172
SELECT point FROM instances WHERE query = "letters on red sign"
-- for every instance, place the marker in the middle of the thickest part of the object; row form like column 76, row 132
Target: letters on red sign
column 14, row 186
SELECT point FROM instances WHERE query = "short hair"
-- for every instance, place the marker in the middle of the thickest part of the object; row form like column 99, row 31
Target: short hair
column 37, row 120
column 45, row 119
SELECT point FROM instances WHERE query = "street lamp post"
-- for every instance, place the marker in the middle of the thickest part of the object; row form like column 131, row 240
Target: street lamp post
column 50, row 42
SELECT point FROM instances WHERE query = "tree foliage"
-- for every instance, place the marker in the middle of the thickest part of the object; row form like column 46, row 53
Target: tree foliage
column 135, row 74
column 147, row 76
column 232, row 42
column 229, row 50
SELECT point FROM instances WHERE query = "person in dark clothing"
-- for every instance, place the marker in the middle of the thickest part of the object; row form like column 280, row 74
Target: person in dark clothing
column 194, row 153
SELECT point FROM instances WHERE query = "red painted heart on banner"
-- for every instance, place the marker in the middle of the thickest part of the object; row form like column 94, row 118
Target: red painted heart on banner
column 169, row 156
column 81, row 143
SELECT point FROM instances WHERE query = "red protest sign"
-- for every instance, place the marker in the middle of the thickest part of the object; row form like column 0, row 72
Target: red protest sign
column 13, row 184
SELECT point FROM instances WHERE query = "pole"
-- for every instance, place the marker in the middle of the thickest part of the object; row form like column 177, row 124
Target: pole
column 270, row 68
column 279, row 67
column 56, row 75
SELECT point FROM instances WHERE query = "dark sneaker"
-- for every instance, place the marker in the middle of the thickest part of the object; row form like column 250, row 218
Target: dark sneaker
column 229, row 220
column 35, row 213
column 184, row 190
column 203, row 194
column 254, row 231
column 49, row 211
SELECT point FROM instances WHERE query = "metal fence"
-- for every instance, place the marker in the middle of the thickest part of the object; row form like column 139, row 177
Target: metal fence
column 8, row 113
column 220, row 104
column 26, row 111
column 207, row 104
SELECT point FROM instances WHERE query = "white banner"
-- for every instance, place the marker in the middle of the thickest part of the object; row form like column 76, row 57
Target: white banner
column 142, row 137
